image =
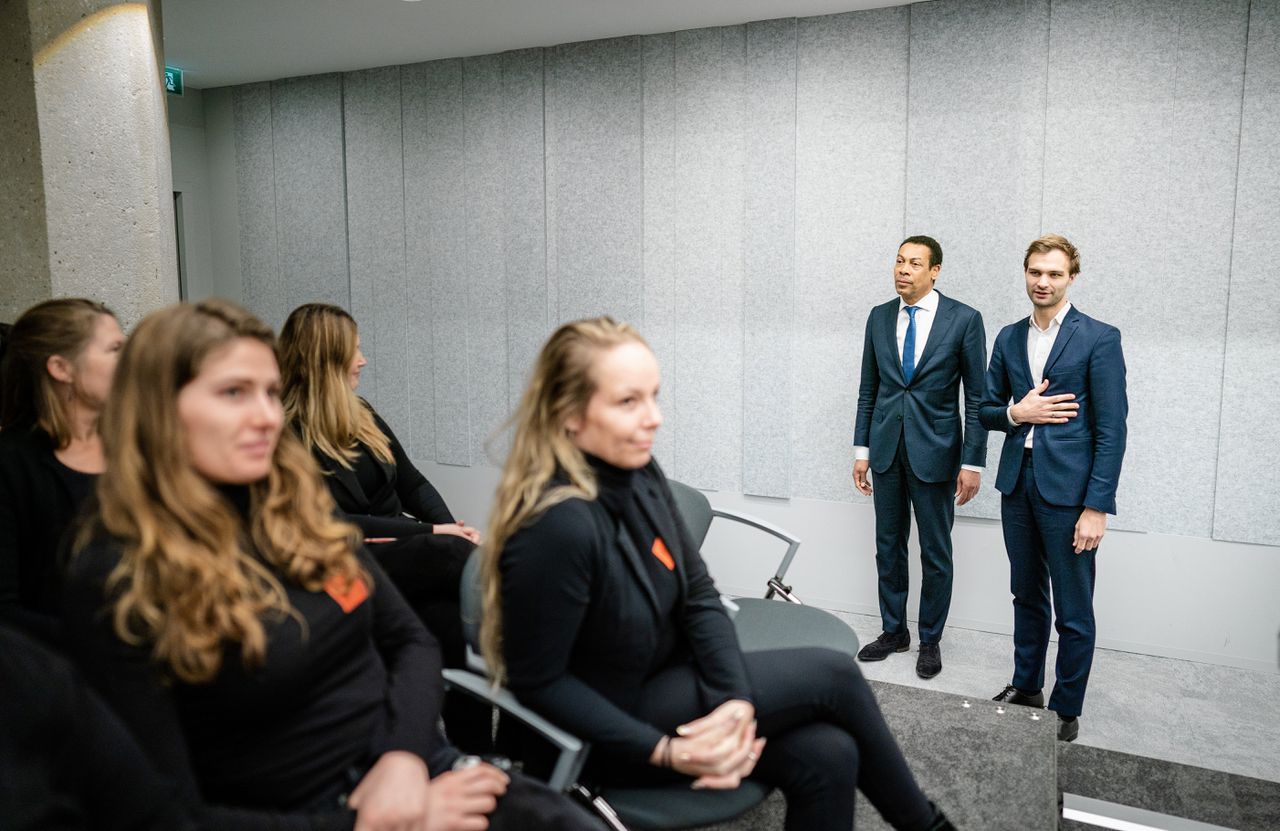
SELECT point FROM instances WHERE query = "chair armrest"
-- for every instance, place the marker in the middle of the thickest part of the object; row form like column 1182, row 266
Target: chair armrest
column 793, row 542
column 572, row 750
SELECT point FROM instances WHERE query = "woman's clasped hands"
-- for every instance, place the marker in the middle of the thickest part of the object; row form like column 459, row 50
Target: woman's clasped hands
column 719, row 750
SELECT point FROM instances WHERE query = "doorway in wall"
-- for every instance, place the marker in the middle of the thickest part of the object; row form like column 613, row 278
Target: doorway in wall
column 182, row 248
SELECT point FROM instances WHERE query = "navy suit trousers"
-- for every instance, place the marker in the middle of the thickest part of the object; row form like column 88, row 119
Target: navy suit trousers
column 896, row 491
column 1038, row 539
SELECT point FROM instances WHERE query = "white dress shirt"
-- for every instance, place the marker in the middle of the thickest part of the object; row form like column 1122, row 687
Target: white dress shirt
column 927, row 311
column 1039, row 345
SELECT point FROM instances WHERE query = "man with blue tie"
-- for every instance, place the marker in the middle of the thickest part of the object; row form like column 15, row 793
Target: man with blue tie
column 1056, row 387
column 918, row 349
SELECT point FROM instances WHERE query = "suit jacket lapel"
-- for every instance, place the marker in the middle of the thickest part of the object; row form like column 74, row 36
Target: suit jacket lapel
column 347, row 479
column 1069, row 325
column 1020, row 360
column 943, row 319
column 889, row 340
column 637, row 565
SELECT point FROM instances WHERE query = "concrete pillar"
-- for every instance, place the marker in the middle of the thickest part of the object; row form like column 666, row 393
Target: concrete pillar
column 97, row 75
column 24, row 244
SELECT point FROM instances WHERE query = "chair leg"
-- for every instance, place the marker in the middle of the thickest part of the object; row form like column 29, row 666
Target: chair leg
column 602, row 808
column 777, row 587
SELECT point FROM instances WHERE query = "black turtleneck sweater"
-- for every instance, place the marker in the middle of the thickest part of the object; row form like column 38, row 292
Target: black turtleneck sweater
column 598, row 596
column 272, row 746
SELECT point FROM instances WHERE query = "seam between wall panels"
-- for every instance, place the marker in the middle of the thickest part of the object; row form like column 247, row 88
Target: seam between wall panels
column 1226, row 318
column 346, row 203
column 547, row 317
column 906, row 132
column 791, row 311
column 1044, row 127
column 275, row 188
column 404, row 264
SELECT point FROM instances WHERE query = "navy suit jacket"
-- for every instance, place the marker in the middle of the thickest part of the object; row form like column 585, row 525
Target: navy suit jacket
column 927, row 411
column 1078, row 462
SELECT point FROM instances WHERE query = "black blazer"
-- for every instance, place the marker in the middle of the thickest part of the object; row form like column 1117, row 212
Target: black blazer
column 37, row 510
column 404, row 490
column 581, row 621
column 926, row 411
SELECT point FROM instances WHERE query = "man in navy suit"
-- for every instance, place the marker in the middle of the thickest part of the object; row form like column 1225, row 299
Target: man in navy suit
column 919, row 347
column 1056, row 387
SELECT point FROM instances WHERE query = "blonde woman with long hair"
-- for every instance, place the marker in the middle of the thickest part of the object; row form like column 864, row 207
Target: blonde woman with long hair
column 600, row 614
column 54, row 380
column 410, row 529
column 256, row 650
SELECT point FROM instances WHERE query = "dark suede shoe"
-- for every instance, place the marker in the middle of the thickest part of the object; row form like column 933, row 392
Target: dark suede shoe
column 940, row 821
column 1012, row 695
column 885, row 645
column 929, row 661
column 1068, row 728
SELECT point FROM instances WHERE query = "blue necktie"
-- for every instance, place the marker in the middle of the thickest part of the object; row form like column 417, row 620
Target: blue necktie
column 909, row 345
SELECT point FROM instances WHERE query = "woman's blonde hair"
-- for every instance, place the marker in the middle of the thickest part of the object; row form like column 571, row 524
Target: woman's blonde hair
column 189, row 581
column 317, row 345
column 541, row 448
column 29, row 395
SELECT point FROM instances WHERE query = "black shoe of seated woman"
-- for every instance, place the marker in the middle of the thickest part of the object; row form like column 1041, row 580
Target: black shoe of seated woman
column 940, row 821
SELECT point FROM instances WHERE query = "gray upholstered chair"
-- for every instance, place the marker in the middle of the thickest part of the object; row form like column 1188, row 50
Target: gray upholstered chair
column 622, row 809
column 767, row 623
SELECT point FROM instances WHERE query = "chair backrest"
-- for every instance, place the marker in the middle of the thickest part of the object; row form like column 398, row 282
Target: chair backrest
column 695, row 509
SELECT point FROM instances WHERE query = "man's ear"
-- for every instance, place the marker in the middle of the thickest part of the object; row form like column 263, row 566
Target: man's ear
column 59, row 368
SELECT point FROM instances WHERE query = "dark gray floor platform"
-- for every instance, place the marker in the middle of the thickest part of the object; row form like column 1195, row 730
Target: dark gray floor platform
column 989, row 767
column 993, row 770
column 1174, row 790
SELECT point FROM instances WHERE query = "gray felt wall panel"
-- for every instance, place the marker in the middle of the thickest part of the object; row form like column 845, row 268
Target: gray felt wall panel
column 524, row 218
column 485, row 299
column 311, row 217
column 256, row 200
column 739, row 194
column 851, row 137
column 435, row 233
column 594, row 178
column 710, row 152
column 975, row 150
column 660, row 230
column 375, row 226
column 1248, row 459
column 769, row 258
column 1141, row 144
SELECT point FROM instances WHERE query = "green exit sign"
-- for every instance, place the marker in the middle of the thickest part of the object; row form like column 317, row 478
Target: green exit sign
column 173, row 80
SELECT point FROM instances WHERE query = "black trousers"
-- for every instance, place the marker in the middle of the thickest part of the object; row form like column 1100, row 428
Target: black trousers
column 896, row 491
column 825, row 734
column 427, row 569
column 529, row 805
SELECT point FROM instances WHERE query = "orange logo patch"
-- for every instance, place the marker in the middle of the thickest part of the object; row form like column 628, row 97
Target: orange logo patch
column 664, row 556
column 347, row 595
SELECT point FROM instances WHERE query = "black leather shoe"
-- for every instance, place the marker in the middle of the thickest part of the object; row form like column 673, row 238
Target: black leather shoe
column 1012, row 695
column 929, row 661
column 885, row 645
column 1068, row 728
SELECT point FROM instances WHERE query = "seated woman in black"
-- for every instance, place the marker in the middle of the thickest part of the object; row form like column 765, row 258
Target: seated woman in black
column 239, row 629
column 54, row 381
column 600, row 613
column 406, row 522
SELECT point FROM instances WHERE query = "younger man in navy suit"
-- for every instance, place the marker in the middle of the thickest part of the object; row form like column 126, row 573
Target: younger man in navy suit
column 1056, row 387
column 919, row 347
